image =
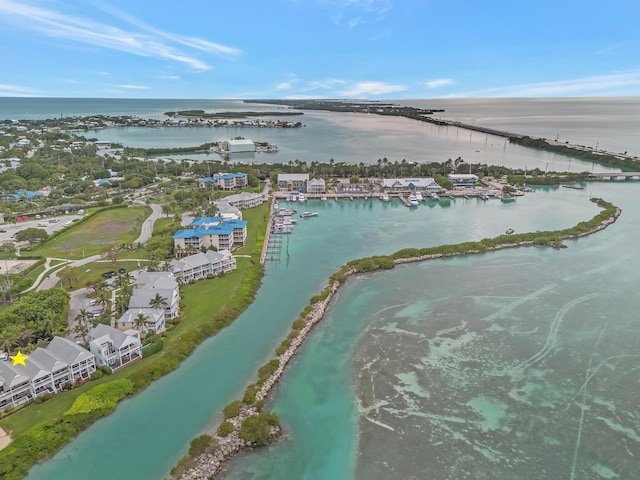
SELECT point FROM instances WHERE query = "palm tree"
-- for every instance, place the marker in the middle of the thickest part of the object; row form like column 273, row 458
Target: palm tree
column 9, row 338
column 158, row 301
column 103, row 297
column 140, row 321
column 122, row 303
column 49, row 324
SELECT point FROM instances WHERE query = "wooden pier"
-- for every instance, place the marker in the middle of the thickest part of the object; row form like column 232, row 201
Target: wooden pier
column 267, row 235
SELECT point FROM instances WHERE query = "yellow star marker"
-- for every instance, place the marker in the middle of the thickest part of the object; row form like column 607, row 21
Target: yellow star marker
column 19, row 359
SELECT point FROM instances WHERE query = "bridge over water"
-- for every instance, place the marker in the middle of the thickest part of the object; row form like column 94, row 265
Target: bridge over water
column 615, row 176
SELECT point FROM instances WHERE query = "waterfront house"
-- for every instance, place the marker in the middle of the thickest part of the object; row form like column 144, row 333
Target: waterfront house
column 225, row 181
column 292, row 181
column 149, row 285
column 244, row 200
column 408, row 185
column 463, row 180
column 154, row 320
column 226, row 211
column 210, row 232
column 114, row 348
column 198, row 266
column 316, row 185
column 46, row 370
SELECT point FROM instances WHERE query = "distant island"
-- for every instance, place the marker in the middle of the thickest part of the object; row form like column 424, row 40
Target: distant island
column 230, row 114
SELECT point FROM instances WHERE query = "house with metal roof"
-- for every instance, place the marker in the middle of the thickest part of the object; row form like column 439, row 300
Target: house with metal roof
column 225, row 181
column 228, row 212
column 406, row 185
column 237, row 145
column 293, row 181
column 150, row 284
column 464, row 180
column 46, row 370
column 211, row 232
column 114, row 348
column 196, row 267
column 316, row 185
column 154, row 322
column 245, row 200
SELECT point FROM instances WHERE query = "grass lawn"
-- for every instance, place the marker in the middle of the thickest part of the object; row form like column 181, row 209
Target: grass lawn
column 92, row 272
column 201, row 301
column 97, row 235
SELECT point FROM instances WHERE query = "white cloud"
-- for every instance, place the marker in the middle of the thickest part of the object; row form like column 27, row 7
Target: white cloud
column 324, row 84
column 16, row 91
column 440, row 82
column 356, row 12
column 146, row 41
column 169, row 77
column 608, row 84
column 133, row 87
column 289, row 83
column 364, row 89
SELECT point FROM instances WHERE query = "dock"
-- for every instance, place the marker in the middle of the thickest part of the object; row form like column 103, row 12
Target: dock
column 267, row 235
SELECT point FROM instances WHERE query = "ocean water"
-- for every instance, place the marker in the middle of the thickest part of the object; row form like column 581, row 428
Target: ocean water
column 519, row 363
column 606, row 123
column 353, row 138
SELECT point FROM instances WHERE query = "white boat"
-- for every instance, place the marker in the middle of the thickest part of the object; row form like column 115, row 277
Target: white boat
column 413, row 200
column 309, row 214
column 419, row 196
column 323, row 198
column 385, row 197
column 434, row 195
column 301, row 197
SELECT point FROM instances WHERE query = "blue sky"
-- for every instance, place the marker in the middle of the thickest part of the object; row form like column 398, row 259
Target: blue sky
column 376, row 49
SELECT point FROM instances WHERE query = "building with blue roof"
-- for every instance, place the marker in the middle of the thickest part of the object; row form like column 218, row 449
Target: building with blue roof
column 211, row 232
column 21, row 195
column 225, row 181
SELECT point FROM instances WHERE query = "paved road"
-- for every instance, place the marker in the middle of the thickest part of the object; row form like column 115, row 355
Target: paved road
column 147, row 225
column 52, row 279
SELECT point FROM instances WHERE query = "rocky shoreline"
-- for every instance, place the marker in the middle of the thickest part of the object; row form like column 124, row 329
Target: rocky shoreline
column 206, row 466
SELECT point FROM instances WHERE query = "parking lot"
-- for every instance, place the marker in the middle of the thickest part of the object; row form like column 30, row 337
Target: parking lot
column 48, row 224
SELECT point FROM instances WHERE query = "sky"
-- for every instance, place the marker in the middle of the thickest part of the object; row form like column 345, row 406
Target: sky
column 296, row 49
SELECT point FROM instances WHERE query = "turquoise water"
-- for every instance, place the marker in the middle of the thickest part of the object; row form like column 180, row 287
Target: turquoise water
column 146, row 435
column 516, row 364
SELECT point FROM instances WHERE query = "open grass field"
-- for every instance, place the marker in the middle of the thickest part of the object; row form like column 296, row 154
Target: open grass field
column 97, row 235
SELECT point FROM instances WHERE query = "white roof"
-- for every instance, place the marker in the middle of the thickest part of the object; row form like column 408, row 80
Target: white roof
column 285, row 177
column 417, row 182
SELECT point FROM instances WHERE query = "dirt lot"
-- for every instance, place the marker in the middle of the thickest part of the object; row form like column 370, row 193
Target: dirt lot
column 14, row 266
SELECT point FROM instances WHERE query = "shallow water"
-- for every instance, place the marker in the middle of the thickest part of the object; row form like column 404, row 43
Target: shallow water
column 470, row 367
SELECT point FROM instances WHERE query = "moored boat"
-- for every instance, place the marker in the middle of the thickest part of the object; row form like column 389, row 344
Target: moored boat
column 308, row 214
column 413, row 200
column 385, row 197
column 419, row 197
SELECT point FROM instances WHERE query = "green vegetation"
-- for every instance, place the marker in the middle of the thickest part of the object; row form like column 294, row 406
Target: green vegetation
column 33, row 319
column 46, row 438
column 87, row 237
column 232, row 410
column 585, row 153
column 204, row 315
column 225, row 428
column 257, row 428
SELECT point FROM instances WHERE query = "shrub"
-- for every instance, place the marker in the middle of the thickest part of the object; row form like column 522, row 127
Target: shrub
column 199, row 445
column 257, row 428
column 232, row 410
column 96, row 375
column 225, row 428
column 106, row 370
